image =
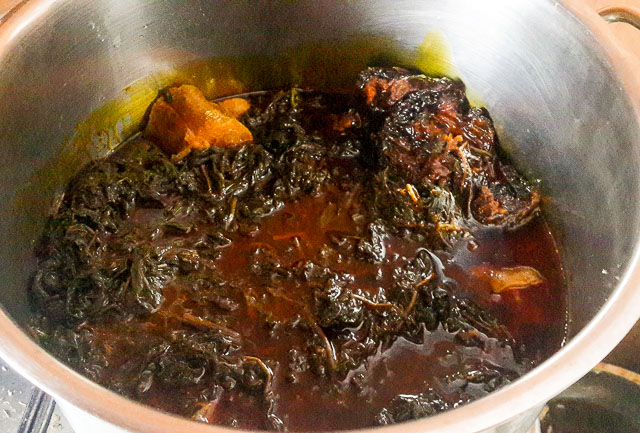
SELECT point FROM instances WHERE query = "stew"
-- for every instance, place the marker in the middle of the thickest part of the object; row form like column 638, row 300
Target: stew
column 303, row 260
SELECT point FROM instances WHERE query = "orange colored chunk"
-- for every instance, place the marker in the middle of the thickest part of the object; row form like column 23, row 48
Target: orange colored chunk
column 183, row 119
column 501, row 279
column 234, row 107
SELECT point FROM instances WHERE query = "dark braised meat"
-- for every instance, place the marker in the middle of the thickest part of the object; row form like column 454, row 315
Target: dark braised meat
column 348, row 266
column 431, row 136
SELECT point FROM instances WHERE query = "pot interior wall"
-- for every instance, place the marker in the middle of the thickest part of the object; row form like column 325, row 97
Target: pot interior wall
column 542, row 76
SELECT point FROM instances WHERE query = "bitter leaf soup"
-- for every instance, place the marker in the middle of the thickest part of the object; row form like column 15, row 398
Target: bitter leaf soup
column 302, row 260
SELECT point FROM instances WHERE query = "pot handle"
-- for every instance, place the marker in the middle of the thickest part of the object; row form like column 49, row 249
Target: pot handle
column 6, row 6
column 620, row 15
column 626, row 38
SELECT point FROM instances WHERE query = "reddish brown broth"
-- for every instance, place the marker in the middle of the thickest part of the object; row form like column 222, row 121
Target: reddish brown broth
column 535, row 316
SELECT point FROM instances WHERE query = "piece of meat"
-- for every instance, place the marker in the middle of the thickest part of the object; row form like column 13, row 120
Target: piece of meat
column 183, row 119
column 384, row 87
column 421, row 116
column 412, row 138
column 486, row 206
column 438, row 168
column 430, row 135
column 506, row 200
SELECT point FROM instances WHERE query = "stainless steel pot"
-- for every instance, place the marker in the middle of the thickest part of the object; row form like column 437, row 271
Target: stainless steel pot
column 553, row 80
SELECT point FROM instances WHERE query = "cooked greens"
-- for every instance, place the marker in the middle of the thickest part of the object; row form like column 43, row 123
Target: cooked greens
column 311, row 278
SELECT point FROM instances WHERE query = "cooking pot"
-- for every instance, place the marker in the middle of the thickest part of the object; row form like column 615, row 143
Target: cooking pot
column 564, row 98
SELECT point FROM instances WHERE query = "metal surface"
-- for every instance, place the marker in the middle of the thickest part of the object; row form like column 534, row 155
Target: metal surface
column 15, row 398
column 606, row 400
column 38, row 413
column 561, row 99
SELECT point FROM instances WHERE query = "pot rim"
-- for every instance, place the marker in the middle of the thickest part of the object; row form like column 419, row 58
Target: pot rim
column 565, row 367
